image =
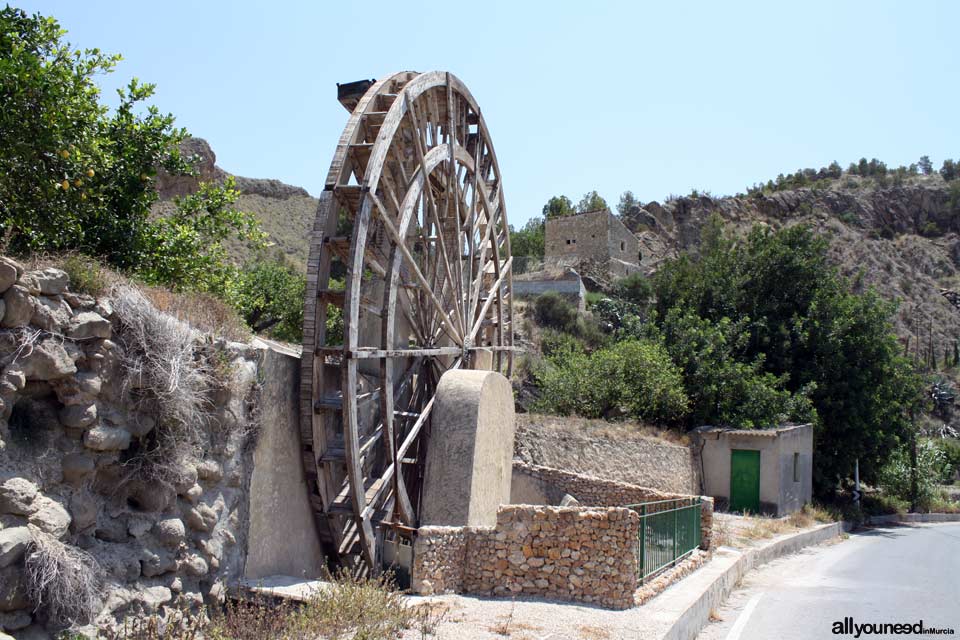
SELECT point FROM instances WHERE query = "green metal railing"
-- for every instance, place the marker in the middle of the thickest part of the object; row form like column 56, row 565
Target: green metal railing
column 669, row 531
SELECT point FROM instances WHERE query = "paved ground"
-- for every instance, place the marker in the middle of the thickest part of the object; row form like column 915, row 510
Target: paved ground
column 884, row 575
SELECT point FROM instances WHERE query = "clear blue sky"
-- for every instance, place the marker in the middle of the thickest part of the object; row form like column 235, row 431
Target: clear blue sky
column 656, row 97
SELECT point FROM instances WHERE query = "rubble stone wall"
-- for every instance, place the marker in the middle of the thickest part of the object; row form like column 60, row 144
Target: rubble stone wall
column 72, row 424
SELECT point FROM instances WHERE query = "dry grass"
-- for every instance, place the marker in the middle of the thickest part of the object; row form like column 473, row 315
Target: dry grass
column 354, row 608
column 721, row 535
column 503, row 627
column 171, row 379
column 62, row 580
column 202, row 311
column 761, row 527
column 591, row 632
column 620, row 430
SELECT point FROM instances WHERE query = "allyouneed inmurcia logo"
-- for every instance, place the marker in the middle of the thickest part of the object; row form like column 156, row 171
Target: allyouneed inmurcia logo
column 847, row 627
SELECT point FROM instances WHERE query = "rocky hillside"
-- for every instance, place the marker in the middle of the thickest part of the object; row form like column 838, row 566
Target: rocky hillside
column 285, row 212
column 903, row 239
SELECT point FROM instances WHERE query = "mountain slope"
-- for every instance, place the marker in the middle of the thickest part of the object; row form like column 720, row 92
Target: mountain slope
column 285, row 212
column 903, row 240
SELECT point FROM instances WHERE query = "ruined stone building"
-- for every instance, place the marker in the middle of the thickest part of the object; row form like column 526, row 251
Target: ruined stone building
column 596, row 237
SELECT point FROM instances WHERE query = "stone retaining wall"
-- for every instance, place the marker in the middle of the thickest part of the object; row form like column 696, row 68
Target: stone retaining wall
column 562, row 553
column 622, row 452
column 587, row 553
column 590, row 491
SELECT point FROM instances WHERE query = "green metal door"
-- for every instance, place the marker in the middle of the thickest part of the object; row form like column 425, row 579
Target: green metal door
column 745, row 480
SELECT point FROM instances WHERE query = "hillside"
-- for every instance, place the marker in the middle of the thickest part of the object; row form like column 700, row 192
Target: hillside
column 903, row 239
column 285, row 212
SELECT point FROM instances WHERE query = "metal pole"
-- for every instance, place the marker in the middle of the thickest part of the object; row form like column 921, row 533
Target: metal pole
column 675, row 512
column 643, row 541
column 856, row 482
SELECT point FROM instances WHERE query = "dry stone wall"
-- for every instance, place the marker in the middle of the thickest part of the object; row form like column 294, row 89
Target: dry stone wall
column 584, row 553
column 75, row 429
column 561, row 553
column 591, row 491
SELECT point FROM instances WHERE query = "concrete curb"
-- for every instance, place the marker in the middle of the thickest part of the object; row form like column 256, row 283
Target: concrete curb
column 689, row 607
column 914, row 517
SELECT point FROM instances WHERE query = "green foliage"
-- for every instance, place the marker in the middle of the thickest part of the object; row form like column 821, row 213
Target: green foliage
column 638, row 379
column 269, row 296
column 724, row 387
column 553, row 311
column 559, row 346
column 950, row 451
column 619, row 317
column 925, row 166
column 950, row 170
column 76, row 177
column 591, row 201
column 558, row 206
column 184, row 250
column 896, row 476
column 771, row 304
column 816, row 178
column 529, row 240
column 628, row 203
column 635, row 288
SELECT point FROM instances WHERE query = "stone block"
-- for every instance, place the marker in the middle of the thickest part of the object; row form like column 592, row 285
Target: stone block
column 469, row 460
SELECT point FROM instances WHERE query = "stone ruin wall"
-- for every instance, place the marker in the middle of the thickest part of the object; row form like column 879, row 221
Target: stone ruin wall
column 585, row 553
column 596, row 238
column 71, row 423
column 586, row 447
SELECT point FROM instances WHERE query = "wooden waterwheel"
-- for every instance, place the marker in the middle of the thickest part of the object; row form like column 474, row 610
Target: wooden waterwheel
column 412, row 218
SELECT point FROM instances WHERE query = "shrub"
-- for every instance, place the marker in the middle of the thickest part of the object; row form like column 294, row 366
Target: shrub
column 896, row 477
column 634, row 377
column 552, row 310
column 558, row 345
column 163, row 361
column 269, row 296
column 62, row 580
column 635, row 288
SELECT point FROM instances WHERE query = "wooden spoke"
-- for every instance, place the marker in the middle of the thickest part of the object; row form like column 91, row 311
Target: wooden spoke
column 427, row 263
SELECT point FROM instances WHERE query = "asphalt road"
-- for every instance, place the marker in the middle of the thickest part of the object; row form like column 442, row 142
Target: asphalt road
column 884, row 575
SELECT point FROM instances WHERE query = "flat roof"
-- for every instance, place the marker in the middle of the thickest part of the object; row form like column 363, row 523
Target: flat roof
column 770, row 432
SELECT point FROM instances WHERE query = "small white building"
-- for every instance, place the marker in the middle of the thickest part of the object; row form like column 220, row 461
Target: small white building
column 757, row 470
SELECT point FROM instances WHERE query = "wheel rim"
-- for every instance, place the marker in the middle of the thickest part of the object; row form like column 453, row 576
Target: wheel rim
column 427, row 289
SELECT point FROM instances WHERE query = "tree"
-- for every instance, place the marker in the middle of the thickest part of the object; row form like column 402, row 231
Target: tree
column 773, row 304
column 949, row 170
column 558, row 206
column 529, row 240
column 76, row 177
column 638, row 377
column 591, row 201
column 926, row 167
column 628, row 204
column 268, row 293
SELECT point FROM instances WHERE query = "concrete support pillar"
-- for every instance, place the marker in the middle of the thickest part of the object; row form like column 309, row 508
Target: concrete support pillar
column 470, row 453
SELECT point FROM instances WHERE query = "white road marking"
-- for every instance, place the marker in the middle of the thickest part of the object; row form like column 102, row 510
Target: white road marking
column 741, row 622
